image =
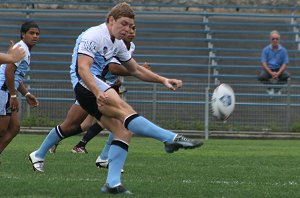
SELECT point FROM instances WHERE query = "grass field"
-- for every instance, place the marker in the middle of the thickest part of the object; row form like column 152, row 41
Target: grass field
column 221, row 168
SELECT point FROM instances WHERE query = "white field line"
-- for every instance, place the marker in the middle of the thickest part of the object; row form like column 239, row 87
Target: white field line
column 287, row 183
column 53, row 179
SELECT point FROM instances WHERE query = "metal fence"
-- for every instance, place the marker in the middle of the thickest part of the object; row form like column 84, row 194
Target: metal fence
column 204, row 48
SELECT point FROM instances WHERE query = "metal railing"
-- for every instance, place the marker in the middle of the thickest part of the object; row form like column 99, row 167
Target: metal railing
column 198, row 59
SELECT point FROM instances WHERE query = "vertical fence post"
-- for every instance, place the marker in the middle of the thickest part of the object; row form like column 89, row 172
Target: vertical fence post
column 288, row 107
column 154, row 102
column 206, row 115
column 206, row 109
column 295, row 28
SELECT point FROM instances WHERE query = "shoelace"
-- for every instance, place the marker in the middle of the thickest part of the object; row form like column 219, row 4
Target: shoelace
column 181, row 138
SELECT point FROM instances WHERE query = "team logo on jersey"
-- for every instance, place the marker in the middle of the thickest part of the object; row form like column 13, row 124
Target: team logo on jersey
column 89, row 46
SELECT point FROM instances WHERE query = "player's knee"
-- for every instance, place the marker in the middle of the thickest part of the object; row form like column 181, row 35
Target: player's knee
column 127, row 108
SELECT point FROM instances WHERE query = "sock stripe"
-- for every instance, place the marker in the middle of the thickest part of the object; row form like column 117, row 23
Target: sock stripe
column 121, row 144
column 58, row 131
column 129, row 118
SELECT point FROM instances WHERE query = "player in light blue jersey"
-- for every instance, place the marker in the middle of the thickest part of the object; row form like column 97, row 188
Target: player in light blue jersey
column 113, row 77
column 93, row 51
column 11, row 80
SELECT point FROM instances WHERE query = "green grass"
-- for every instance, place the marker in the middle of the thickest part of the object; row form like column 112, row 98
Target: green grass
column 221, row 168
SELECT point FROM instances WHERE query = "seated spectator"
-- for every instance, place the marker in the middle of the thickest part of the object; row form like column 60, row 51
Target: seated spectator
column 274, row 58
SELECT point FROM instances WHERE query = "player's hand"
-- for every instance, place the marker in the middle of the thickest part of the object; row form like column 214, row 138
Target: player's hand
column 32, row 101
column 102, row 98
column 16, row 53
column 173, row 84
column 14, row 104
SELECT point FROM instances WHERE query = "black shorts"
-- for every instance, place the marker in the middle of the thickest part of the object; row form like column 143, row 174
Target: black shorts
column 87, row 101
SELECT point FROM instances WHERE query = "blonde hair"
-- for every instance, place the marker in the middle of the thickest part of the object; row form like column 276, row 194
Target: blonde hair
column 121, row 10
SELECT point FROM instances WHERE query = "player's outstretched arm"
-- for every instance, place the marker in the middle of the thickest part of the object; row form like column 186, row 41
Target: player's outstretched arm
column 149, row 76
column 120, row 70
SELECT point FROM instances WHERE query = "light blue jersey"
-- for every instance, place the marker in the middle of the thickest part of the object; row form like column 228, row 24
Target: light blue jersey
column 111, row 78
column 96, row 43
column 21, row 68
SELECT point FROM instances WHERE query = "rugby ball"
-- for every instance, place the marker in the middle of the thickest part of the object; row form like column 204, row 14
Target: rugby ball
column 223, row 102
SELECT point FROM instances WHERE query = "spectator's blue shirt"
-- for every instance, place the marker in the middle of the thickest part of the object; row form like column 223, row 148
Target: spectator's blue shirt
column 274, row 59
